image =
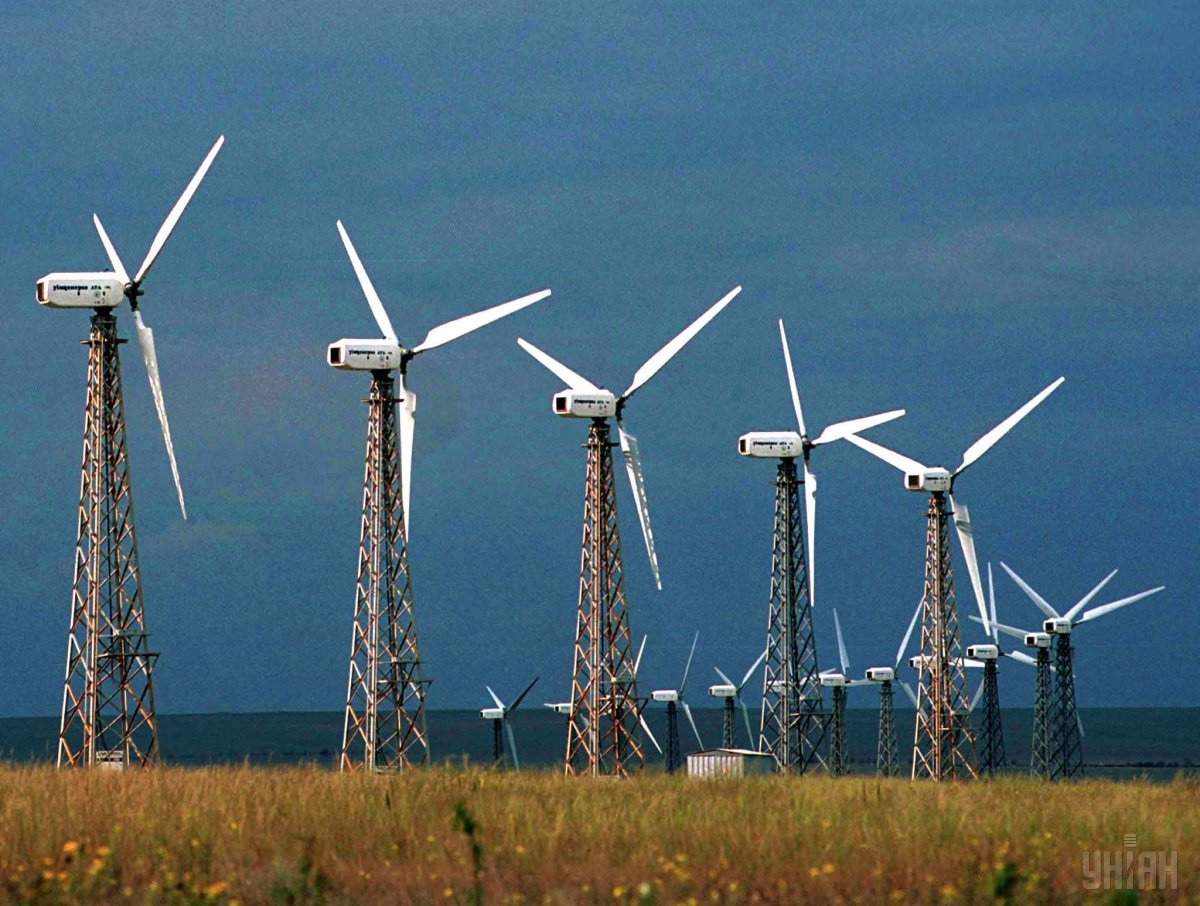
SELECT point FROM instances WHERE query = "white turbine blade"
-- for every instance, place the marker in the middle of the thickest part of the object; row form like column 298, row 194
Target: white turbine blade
column 1079, row 723
column 1086, row 599
column 638, row 661
column 688, row 666
column 1021, row 657
column 512, row 745
column 150, row 357
column 646, row 730
column 109, row 249
column 561, row 371
column 745, row 679
column 406, row 415
column 988, row 440
column 992, row 631
column 978, row 695
column 724, row 678
column 1109, row 608
column 891, row 457
column 1037, row 599
column 970, row 662
column 839, row 430
column 164, row 231
column 633, row 467
column 1007, row 630
column 810, row 512
column 908, row 634
column 746, row 717
column 787, row 360
column 966, row 540
column 496, row 698
column 837, row 625
column 655, row 363
column 688, row 713
column 459, row 327
column 912, row 696
column 368, row 288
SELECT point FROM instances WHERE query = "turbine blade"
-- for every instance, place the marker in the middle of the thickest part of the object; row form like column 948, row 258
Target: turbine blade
column 1079, row 723
column 406, row 414
column 891, row 457
column 908, row 634
column 1037, row 599
column 810, row 508
column 1086, row 599
column 150, row 357
column 655, row 363
column 561, row 371
column 988, row 440
column 1115, row 605
column 966, row 540
column 521, row 697
column 839, row 430
column 113, row 258
column 512, row 745
column 724, row 678
column 688, row 666
column 1021, row 657
column 688, row 713
column 1007, row 630
column 459, row 327
column 638, row 661
column 496, row 698
column 912, row 696
column 164, row 231
column 368, row 288
column 978, row 695
column 633, row 467
column 745, row 679
column 787, row 360
column 646, row 730
column 746, row 716
column 837, row 624
column 992, row 605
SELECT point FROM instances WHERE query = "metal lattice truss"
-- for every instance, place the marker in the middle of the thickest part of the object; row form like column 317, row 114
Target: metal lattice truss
column 108, row 716
column 886, row 762
column 1066, row 748
column 792, row 725
column 384, row 727
column 837, row 733
column 943, row 744
column 602, row 732
column 1039, row 762
column 991, row 741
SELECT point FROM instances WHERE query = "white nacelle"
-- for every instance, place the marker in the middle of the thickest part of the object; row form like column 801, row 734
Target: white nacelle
column 559, row 707
column 491, row 713
column 99, row 290
column 833, row 679
column 665, row 695
column 723, row 691
column 584, row 404
column 983, row 652
column 771, row 444
column 881, row 674
column 933, row 480
column 1058, row 626
column 1037, row 639
column 917, row 661
column 364, row 355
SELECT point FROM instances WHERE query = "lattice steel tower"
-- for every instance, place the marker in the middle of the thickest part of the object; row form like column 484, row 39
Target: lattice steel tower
column 384, row 727
column 886, row 761
column 991, row 733
column 837, row 733
column 1039, row 761
column 1066, row 748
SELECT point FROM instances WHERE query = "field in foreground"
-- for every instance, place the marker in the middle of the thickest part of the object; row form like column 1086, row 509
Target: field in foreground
column 297, row 835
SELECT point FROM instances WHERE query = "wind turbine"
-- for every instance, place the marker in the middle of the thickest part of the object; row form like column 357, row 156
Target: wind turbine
column 108, row 714
column 943, row 745
column 384, row 727
column 601, row 733
column 730, row 692
column 1066, row 746
column 886, row 764
column 673, row 698
column 839, row 682
column 792, row 722
column 499, row 718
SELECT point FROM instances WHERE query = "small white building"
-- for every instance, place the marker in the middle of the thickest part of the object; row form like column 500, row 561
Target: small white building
column 729, row 763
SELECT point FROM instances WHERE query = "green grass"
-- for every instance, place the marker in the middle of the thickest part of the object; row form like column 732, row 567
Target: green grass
column 447, row 836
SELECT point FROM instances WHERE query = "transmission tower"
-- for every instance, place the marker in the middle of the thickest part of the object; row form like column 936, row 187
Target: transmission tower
column 991, row 754
column 601, row 735
column 943, row 747
column 384, row 728
column 886, row 761
column 1066, row 748
column 792, row 726
column 108, row 715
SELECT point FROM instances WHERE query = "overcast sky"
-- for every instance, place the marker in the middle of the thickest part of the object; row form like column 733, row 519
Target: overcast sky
column 950, row 206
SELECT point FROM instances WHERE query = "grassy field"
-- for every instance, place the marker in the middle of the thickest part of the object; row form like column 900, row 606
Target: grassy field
column 442, row 836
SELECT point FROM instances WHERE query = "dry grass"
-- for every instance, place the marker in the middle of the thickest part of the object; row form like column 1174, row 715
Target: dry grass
column 307, row 836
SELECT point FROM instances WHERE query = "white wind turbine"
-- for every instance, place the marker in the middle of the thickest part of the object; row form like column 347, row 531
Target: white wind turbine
column 732, row 692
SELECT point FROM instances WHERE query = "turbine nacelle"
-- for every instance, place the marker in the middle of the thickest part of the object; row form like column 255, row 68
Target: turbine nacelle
column 930, row 480
column 771, row 444
column 881, row 674
column 559, row 707
column 984, row 652
column 665, row 695
column 723, row 690
column 492, row 713
column 365, row 355
column 101, row 289
column 585, row 404
column 1058, row 626
column 833, row 679
column 1037, row 640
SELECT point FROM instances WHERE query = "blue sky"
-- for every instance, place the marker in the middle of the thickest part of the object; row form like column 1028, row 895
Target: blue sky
column 949, row 206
